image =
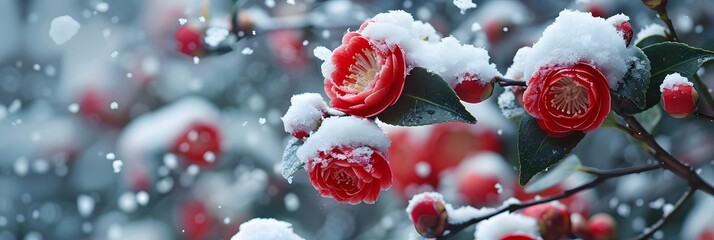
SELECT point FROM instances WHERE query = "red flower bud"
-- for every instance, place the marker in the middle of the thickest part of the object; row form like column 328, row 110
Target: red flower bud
column 472, row 90
column 200, row 143
column 602, row 227
column 655, row 4
column 429, row 216
column 679, row 100
column 626, row 29
column 553, row 219
column 478, row 190
column 189, row 40
column 517, row 236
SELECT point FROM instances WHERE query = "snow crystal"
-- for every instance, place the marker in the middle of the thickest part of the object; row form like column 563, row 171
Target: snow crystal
column 304, row 113
column 117, row 165
column 196, row 59
column 114, row 105
column 170, row 161
column 343, row 131
column 464, row 5
column 506, row 223
column 291, row 2
column 21, row 166
column 63, row 28
column 270, row 3
column 422, row 169
column 261, row 121
column 515, row 71
column 598, row 43
column 667, row 209
column 142, row 198
column 182, row 21
column 15, row 106
column 85, row 205
column 102, row 7
column 110, row 156
column 202, row 19
column 446, row 57
column 215, row 36
column 127, row 202
column 650, row 30
column 673, row 80
column 265, row 229
column 246, row 51
column 475, row 27
column 292, row 202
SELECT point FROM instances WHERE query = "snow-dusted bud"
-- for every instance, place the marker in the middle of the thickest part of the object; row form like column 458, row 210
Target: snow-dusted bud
column 188, row 38
column 427, row 212
column 553, row 219
column 655, row 4
column 305, row 114
column 602, row 227
column 679, row 98
column 472, row 90
column 625, row 28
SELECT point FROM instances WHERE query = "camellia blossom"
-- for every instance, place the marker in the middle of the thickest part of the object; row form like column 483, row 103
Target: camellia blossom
column 565, row 99
column 350, row 175
column 679, row 98
column 366, row 79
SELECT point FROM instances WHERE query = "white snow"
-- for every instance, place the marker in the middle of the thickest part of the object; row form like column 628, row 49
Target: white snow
column 15, row 106
column 117, row 165
column 673, row 80
column 114, row 105
column 85, row 205
column 127, row 202
column 325, row 55
column 464, row 5
column 246, row 51
column 63, row 28
column 292, row 202
column 265, row 229
column 215, row 35
column 515, row 71
column 305, row 112
column 416, row 199
column 142, row 198
column 344, row 131
column 422, row 169
column 506, row 223
column 424, row 48
column 667, row 209
column 102, row 7
column 509, row 106
column 650, row 30
column 475, row 27
column 455, row 215
column 596, row 42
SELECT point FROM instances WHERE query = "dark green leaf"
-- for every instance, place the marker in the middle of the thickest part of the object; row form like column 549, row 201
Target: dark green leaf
column 670, row 57
column 426, row 99
column 636, row 81
column 654, row 39
column 291, row 163
column 537, row 151
column 552, row 177
column 650, row 118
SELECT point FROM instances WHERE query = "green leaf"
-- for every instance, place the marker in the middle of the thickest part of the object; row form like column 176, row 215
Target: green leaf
column 610, row 120
column 426, row 99
column 670, row 57
column 537, row 151
column 654, row 39
column 552, row 177
column 650, row 118
column 636, row 81
column 291, row 163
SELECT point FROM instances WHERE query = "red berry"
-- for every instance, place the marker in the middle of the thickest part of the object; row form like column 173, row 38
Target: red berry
column 196, row 220
column 473, row 91
column 478, row 190
column 300, row 135
column 517, row 236
column 189, row 40
column 706, row 235
column 602, row 227
column 429, row 217
column 553, row 219
column 626, row 29
column 200, row 143
column 679, row 101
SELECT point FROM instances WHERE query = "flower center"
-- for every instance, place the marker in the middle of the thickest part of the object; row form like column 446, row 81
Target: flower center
column 569, row 96
column 344, row 179
column 363, row 70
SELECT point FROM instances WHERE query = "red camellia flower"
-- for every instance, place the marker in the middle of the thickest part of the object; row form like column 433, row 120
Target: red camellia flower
column 602, row 227
column 565, row 99
column 679, row 101
column 518, row 236
column 367, row 78
column 200, row 143
column 350, row 175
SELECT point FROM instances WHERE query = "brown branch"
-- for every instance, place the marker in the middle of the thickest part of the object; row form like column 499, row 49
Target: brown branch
column 503, row 82
column 652, row 229
column 601, row 176
column 704, row 116
column 662, row 12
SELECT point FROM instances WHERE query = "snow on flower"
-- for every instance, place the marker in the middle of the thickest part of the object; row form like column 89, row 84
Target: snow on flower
column 464, row 5
column 672, row 80
column 343, row 131
column 304, row 115
column 63, row 28
column 596, row 42
column 265, row 229
column 504, row 224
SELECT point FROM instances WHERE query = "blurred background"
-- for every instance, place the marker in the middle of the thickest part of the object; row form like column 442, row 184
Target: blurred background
column 160, row 119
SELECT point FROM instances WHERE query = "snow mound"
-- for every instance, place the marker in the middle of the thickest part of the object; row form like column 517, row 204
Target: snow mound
column 265, row 229
column 343, row 131
column 673, row 80
column 506, row 223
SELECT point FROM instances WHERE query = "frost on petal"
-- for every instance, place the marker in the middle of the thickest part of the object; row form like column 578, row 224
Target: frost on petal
column 506, row 223
column 63, row 28
column 265, row 229
column 343, row 131
column 291, row 163
column 597, row 43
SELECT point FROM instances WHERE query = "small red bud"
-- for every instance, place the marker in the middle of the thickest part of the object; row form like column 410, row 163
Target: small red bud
column 602, row 227
column 200, row 143
column 188, row 39
column 553, row 219
column 679, row 101
column 655, row 4
column 429, row 217
column 472, row 90
column 300, row 134
column 517, row 236
column 626, row 29
column 478, row 190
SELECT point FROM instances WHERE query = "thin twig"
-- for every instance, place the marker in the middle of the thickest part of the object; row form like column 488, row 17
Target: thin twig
column 503, row 82
column 667, row 216
column 601, row 176
column 704, row 91
column 665, row 18
column 704, row 116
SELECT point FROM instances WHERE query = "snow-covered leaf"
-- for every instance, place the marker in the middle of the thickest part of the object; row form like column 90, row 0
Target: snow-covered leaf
column 556, row 175
column 291, row 163
column 426, row 99
column 537, row 151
